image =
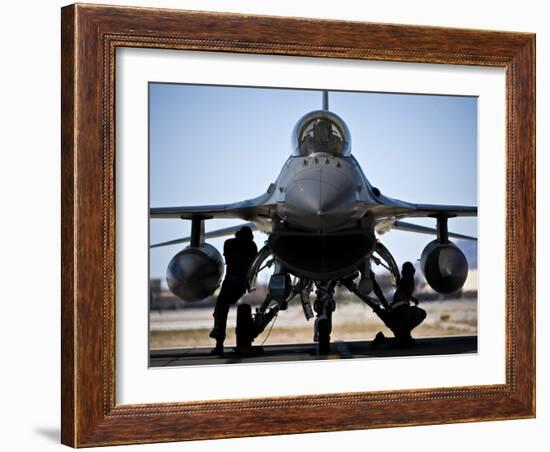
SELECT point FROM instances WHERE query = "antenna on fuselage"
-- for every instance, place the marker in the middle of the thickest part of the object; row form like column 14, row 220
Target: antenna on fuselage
column 325, row 100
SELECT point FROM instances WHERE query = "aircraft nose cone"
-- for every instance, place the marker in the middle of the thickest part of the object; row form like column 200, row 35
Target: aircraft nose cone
column 320, row 198
column 317, row 197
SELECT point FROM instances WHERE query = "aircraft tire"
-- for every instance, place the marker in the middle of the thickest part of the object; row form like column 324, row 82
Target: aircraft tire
column 323, row 342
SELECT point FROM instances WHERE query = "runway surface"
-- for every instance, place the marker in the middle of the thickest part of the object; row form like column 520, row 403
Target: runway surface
column 306, row 352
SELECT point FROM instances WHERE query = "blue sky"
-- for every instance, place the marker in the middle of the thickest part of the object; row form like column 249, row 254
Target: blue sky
column 212, row 144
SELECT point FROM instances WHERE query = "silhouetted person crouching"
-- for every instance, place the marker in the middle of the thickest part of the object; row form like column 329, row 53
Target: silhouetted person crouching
column 404, row 317
column 239, row 253
column 401, row 317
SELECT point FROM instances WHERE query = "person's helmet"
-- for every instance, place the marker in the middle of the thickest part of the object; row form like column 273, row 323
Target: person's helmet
column 408, row 268
column 245, row 233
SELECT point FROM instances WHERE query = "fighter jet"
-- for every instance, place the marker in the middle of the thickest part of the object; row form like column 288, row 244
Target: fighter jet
column 324, row 220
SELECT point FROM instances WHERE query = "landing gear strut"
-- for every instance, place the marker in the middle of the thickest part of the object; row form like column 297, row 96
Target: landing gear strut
column 324, row 307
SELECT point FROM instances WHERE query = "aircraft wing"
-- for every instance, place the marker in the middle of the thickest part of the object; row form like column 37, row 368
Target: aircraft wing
column 432, row 210
column 246, row 210
column 208, row 235
column 387, row 207
column 389, row 212
column 410, row 227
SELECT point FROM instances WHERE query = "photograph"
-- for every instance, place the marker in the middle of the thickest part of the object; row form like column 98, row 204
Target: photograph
column 292, row 225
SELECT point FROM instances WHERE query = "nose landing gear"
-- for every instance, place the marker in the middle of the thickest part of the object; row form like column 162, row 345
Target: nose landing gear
column 324, row 307
column 283, row 288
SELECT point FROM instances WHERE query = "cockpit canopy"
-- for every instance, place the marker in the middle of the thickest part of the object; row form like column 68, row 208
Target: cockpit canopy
column 321, row 132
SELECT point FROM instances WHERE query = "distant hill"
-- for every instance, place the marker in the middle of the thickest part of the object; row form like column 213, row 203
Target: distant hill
column 469, row 248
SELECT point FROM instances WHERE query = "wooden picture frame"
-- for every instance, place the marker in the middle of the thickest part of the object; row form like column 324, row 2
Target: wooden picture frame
column 90, row 36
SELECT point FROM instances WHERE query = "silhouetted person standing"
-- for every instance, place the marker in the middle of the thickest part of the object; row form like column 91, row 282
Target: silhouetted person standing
column 239, row 253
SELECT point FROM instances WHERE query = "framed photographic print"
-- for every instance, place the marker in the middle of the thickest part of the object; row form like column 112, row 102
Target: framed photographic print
column 267, row 231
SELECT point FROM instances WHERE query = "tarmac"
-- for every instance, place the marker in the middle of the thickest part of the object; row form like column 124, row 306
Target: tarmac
column 450, row 345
